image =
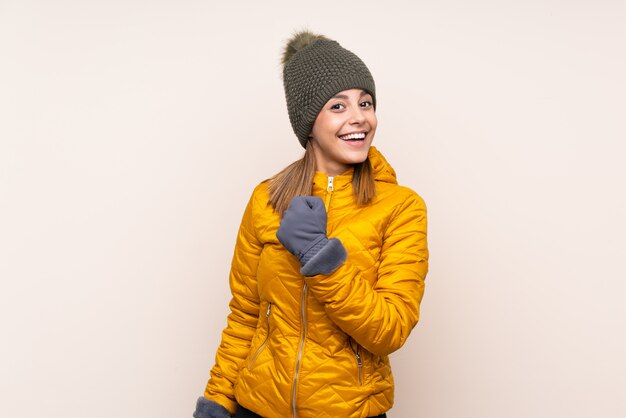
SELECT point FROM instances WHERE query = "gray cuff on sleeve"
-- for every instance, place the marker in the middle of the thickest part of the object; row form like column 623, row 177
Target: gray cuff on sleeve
column 206, row 408
column 327, row 259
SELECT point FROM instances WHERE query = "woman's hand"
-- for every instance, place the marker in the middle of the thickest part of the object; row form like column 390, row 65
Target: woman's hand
column 206, row 408
column 303, row 232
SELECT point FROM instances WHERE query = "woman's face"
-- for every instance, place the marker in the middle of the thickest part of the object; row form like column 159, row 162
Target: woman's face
column 343, row 131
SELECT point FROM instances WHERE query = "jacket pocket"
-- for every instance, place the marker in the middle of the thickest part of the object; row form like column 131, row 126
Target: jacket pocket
column 267, row 336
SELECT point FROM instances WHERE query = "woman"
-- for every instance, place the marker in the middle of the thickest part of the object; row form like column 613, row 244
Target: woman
column 330, row 260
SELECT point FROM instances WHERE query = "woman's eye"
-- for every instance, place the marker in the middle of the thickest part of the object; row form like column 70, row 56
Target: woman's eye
column 337, row 106
column 366, row 103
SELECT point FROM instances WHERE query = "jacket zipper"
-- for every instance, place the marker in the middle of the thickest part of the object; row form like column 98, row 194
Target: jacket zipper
column 330, row 188
column 357, row 356
column 359, row 365
column 267, row 337
column 300, row 349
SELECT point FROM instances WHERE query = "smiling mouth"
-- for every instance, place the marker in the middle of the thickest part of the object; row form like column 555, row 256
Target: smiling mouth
column 360, row 136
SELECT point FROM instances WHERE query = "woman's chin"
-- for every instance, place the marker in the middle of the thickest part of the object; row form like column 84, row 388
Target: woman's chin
column 355, row 155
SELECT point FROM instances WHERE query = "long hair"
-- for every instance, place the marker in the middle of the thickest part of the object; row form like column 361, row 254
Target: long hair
column 297, row 180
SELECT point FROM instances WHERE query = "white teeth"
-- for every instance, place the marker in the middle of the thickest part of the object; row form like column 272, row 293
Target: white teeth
column 353, row 136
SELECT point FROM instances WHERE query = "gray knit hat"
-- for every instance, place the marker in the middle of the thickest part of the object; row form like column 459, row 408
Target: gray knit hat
column 315, row 69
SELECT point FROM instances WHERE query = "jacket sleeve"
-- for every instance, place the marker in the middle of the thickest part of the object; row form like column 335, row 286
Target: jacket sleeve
column 380, row 317
column 244, row 313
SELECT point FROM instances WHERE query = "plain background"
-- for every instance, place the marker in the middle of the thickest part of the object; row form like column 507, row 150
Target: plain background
column 133, row 132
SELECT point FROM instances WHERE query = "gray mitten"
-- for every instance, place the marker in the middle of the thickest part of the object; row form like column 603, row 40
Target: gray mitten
column 209, row 409
column 303, row 232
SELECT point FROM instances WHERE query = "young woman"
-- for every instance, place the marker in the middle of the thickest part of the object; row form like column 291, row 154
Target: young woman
column 330, row 260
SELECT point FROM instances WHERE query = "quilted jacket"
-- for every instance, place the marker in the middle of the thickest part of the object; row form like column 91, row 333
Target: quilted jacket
column 318, row 346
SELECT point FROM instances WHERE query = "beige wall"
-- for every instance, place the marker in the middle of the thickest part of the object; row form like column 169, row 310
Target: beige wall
column 132, row 133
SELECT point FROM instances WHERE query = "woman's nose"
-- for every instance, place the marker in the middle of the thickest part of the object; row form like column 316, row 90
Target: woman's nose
column 356, row 115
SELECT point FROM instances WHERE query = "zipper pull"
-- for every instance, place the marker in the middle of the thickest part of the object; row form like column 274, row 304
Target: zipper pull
column 330, row 184
column 360, row 366
column 269, row 307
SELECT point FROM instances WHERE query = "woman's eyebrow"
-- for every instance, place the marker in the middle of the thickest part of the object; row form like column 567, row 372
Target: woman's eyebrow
column 343, row 96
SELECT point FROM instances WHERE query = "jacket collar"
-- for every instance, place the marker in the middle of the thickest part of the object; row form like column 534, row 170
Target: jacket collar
column 383, row 172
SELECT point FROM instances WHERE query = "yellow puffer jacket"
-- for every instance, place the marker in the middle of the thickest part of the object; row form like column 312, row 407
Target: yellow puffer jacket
column 317, row 346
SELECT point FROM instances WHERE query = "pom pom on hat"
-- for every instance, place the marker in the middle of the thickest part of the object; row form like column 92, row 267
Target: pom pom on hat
column 298, row 41
column 315, row 68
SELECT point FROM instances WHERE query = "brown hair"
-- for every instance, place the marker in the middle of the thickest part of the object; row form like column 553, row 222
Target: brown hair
column 297, row 180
